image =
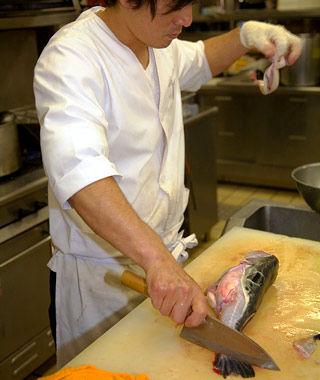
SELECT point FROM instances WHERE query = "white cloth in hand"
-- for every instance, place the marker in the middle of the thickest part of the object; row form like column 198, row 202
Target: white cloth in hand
column 271, row 40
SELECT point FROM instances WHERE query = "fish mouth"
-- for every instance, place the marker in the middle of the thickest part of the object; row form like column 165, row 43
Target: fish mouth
column 257, row 254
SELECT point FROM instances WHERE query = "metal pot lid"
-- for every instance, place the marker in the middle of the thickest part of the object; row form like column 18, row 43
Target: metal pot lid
column 6, row 117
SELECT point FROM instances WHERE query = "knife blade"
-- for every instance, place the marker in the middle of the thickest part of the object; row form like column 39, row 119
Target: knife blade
column 218, row 337
column 213, row 334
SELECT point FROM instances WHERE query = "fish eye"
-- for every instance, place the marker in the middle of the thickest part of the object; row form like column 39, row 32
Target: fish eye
column 257, row 277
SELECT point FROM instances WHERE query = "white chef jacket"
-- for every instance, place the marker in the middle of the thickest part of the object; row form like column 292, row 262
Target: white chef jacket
column 99, row 118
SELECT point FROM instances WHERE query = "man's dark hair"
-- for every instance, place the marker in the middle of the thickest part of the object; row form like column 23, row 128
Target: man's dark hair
column 136, row 4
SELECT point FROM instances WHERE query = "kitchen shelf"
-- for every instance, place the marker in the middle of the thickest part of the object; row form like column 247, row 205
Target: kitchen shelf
column 212, row 15
column 261, row 139
column 40, row 20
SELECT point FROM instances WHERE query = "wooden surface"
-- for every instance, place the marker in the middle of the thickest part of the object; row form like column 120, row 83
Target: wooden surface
column 146, row 342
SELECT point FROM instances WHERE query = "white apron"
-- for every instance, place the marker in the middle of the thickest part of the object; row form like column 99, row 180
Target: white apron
column 97, row 305
column 94, row 103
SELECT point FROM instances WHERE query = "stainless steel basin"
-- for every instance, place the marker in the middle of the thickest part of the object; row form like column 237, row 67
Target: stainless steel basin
column 307, row 178
column 277, row 218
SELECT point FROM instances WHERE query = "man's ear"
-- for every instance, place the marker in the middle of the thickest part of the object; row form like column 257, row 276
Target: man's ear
column 125, row 4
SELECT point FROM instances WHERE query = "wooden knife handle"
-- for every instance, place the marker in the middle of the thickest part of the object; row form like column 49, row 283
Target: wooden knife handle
column 135, row 282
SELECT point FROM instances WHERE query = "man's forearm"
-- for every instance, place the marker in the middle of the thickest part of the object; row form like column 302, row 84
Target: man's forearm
column 222, row 51
column 105, row 209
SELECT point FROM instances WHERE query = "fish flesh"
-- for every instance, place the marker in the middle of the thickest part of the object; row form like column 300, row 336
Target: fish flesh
column 306, row 346
column 271, row 76
column 236, row 296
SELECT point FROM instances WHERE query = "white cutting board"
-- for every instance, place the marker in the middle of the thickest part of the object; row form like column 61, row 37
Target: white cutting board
column 146, row 342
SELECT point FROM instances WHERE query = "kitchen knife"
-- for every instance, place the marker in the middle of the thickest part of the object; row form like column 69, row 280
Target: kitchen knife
column 213, row 334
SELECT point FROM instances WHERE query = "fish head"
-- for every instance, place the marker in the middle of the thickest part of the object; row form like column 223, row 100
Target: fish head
column 264, row 262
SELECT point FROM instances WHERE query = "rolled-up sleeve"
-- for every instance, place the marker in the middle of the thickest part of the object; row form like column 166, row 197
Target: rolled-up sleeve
column 70, row 95
column 193, row 67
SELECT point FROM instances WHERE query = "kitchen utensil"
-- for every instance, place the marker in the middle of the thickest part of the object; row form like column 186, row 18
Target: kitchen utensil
column 307, row 178
column 10, row 158
column 213, row 334
column 306, row 71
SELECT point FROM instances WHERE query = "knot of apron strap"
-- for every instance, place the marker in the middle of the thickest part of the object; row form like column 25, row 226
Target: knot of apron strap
column 179, row 249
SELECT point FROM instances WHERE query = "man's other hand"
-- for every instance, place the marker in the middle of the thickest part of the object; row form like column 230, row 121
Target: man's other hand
column 274, row 41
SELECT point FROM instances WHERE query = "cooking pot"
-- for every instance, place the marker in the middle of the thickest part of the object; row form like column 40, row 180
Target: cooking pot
column 306, row 71
column 10, row 158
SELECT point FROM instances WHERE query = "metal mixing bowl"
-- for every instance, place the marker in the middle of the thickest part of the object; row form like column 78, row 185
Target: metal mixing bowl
column 307, row 178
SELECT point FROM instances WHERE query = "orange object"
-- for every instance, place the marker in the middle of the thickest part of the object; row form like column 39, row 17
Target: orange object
column 88, row 372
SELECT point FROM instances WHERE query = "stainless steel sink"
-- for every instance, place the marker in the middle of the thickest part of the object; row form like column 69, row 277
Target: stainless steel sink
column 277, row 218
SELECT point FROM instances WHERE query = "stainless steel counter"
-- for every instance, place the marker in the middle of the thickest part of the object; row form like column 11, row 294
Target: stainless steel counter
column 236, row 85
column 277, row 218
column 21, row 185
column 25, row 249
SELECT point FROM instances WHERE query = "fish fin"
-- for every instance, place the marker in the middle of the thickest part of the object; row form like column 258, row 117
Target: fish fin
column 305, row 346
column 212, row 299
column 226, row 366
column 248, row 320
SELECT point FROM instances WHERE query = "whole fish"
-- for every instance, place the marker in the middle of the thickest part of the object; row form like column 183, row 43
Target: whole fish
column 235, row 298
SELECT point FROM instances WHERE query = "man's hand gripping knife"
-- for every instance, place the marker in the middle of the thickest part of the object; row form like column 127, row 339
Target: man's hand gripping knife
column 276, row 43
column 174, row 293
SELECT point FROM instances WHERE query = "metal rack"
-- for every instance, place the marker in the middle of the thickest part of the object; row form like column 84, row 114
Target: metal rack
column 210, row 20
column 40, row 18
column 210, row 14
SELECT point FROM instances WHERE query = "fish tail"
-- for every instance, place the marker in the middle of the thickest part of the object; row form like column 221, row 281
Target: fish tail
column 226, row 365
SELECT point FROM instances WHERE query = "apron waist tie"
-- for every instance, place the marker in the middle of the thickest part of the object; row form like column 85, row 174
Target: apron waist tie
column 179, row 251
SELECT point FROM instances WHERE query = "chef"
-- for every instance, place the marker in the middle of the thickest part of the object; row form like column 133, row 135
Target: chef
column 107, row 90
